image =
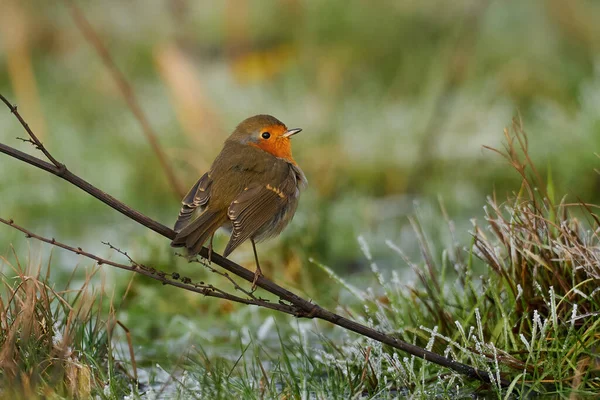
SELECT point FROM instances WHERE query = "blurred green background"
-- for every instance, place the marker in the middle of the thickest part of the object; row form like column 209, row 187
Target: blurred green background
column 396, row 99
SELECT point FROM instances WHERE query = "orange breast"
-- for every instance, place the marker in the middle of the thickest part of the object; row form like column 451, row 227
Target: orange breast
column 280, row 147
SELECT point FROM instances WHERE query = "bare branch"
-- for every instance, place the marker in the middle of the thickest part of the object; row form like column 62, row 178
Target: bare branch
column 153, row 273
column 223, row 274
column 85, row 186
column 34, row 140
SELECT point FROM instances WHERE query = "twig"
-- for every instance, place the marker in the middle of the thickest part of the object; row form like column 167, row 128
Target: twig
column 175, row 275
column 92, row 190
column 158, row 275
column 223, row 274
column 297, row 306
column 34, row 140
column 128, row 94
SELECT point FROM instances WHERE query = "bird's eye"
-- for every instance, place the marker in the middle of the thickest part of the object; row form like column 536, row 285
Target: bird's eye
column 265, row 135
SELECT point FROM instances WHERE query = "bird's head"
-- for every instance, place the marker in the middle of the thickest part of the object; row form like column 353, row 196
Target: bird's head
column 266, row 133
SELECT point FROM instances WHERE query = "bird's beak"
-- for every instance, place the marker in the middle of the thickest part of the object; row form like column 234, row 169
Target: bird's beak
column 291, row 132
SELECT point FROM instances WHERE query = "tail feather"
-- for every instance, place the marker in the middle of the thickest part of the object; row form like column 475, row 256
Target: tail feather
column 197, row 232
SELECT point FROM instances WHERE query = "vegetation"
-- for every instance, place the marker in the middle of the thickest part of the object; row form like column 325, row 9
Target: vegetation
column 521, row 303
column 395, row 102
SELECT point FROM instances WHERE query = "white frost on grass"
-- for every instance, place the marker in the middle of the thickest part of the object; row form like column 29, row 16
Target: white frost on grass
column 525, row 342
column 364, row 247
column 432, row 338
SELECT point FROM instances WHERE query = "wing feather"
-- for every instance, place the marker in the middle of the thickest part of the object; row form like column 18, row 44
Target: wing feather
column 198, row 196
column 249, row 212
column 260, row 205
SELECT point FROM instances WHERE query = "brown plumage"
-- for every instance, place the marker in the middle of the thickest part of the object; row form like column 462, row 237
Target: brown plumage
column 252, row 188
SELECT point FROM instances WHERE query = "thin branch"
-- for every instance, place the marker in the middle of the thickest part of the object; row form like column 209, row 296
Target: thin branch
column 85, row 186
column 128, row 94
column 223, row 274
column 301, row 307
column 34, row 140
column 176, row 276
column 165, row 278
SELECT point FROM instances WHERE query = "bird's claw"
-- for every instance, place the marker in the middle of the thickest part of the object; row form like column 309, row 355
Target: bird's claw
column 258, row 273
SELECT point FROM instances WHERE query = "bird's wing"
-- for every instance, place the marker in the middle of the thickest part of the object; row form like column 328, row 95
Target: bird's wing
column 256, row 206
column 198, row 196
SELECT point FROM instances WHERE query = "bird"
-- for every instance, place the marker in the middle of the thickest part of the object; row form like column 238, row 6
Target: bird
column 252, row 189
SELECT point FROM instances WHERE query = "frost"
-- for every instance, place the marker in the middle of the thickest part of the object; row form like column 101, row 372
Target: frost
column 525, row 342
column 364, row 247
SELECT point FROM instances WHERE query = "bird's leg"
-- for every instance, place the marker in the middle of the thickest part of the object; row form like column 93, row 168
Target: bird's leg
column 210, row 248
column 258, row 271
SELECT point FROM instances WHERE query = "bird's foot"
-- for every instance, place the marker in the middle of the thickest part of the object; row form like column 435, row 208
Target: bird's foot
column 258, row 273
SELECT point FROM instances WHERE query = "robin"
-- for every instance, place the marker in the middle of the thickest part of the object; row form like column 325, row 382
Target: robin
column 252, row 188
